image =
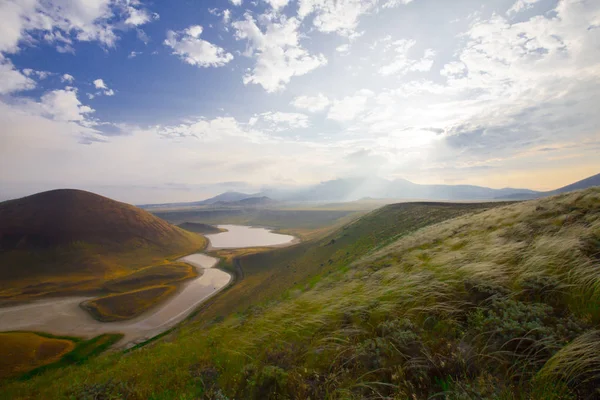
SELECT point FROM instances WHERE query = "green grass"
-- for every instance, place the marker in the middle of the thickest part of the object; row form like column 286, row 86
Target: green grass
column 268, row 274
column 496, row 304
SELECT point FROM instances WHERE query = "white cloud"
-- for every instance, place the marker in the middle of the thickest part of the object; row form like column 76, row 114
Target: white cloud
column 279, row 55
column 226, row 16
column 63, row 21
column 311, row 104
column 340, row 16
column 195, row 51
column 343, row 48
column 401, row 63
column 12, row 80
column 349, row 107
column 39, row 74
column 63, row 105
column 67, row 78
column 395, row 3
column 99, row 84
column 138, row 16
column 277, row 4
column 134, row 54
column 521, row 5
column 280, row 121
column 236, row 2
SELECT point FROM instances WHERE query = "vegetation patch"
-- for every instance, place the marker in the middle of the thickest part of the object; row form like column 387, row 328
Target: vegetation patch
column 203, row 229
column 152, row 276
column 122, row 306
column 24, row 351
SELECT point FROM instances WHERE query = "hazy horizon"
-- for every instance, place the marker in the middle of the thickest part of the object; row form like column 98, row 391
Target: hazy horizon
column 189, row 193
column 150, row 102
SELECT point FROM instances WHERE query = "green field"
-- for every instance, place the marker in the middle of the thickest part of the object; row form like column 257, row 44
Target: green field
column 500, row 303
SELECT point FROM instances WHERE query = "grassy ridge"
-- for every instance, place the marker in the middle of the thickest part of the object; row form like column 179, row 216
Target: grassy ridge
column 502, row 304
column 268, row 274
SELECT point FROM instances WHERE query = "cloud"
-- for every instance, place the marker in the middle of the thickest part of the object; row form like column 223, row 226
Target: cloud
column 134, row 54
column 195, row 51
column 236, row 2
column 521, row 5
column 39, row 74
column 63, row 21
column 311, row 104
column 63, row 105
column 402, row 64
column 277, row 4
column 349, row 107
column 277, row 50
column 11, row 80
column 226, row 16
column 280, row 121
column 139, row 16
column 99, row 84
column 67, row 78
column 339, row 16
column 343, row 49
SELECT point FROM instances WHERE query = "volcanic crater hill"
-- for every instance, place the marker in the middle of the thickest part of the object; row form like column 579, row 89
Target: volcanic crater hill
column 77, row 234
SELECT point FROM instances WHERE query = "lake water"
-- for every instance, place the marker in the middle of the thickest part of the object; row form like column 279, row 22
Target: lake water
column 64, row 316
column 238, row 236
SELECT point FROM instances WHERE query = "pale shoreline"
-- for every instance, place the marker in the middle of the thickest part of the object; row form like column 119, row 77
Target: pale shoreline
column 210, row 247
column 65, row 315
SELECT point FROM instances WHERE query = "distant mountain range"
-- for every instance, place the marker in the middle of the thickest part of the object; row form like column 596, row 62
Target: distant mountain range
column 582, row 184
column 351, row 189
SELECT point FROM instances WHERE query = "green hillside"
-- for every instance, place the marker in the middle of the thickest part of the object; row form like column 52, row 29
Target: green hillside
column 269, row 274
column 497, row 304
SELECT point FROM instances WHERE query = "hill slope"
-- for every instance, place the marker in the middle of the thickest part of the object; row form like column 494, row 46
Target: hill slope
column 582, row 184
column 77, row 235
column 502, row 304
column 579, row 185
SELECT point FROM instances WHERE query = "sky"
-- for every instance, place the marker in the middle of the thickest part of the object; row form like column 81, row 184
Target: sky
column 156, row 101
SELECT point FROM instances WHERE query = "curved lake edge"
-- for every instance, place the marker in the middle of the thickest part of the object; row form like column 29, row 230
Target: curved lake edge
column 65, row 317
column 141, row 337
column 230, row 230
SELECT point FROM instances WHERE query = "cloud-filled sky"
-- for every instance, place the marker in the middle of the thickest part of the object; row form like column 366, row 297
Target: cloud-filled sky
column 174, row 101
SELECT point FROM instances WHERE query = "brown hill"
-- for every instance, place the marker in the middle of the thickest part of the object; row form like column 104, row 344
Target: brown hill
column 80, row 237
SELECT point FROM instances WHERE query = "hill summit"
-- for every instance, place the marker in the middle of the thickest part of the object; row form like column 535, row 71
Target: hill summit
column 80, row 235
